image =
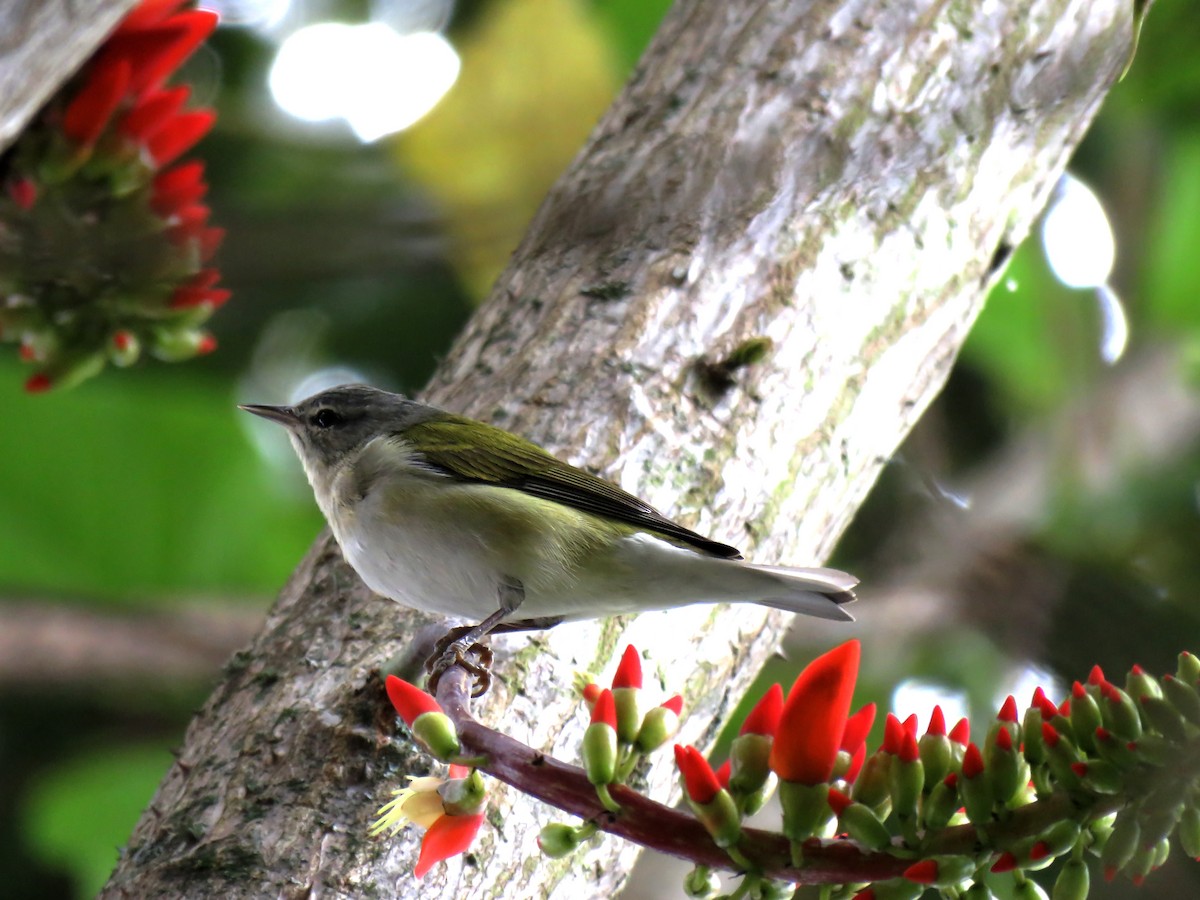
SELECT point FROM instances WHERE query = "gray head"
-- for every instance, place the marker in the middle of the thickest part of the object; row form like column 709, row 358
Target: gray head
column 329, row 426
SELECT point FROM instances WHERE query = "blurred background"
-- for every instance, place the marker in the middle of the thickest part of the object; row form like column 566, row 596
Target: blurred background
column 375, row 163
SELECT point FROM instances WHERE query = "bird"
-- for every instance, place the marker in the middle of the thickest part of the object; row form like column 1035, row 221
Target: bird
column 450, row 515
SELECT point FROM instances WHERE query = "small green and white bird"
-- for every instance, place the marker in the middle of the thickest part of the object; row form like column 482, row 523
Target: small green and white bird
column 449, row 515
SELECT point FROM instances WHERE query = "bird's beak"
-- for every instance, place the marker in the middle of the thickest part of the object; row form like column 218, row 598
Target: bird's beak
column 284, row 415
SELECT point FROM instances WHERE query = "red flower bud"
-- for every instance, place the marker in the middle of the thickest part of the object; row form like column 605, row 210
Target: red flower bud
column 86, row 115
column 699, row 780
column 961, row 732
column 605, row 710
column 923, row 872
column 629, row 670
column 1008, row 712
column 410, row 701
column 764, row 717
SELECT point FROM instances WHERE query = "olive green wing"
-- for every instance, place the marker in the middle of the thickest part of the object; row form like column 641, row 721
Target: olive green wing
column 451, row 445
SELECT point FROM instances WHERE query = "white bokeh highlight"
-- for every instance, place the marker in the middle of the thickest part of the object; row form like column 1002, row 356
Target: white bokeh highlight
column 375, row 78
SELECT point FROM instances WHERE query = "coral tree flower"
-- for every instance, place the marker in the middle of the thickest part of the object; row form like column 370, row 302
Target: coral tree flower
column 814, row 717
column 96, row 161
column 425, row 718
column 450, row 811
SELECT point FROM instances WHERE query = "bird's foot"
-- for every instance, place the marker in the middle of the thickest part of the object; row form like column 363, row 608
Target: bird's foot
column 458, row 648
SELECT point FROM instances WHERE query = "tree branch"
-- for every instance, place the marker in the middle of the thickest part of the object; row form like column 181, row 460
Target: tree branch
column 42, row 43
column 844, row 179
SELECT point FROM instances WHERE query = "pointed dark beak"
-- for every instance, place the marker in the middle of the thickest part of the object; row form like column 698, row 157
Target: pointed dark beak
column 284, row 415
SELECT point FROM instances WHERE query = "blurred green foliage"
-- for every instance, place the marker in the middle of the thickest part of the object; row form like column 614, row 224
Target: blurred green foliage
column 143, row 488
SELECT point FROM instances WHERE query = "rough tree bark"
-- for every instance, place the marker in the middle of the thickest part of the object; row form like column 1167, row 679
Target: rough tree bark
column 843, row 177
column 42, row 43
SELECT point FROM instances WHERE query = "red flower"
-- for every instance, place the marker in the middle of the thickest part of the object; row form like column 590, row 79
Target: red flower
column 605, row 710
column 176, row 189
column 814, row 717
column 447, row 837
column 629, row 670
column 86, row 115
column 175, row 137
column 699, row 780
column 450, row 811
column 153, row 112
column 764, row 717
column 858, row 726
column 410, row 701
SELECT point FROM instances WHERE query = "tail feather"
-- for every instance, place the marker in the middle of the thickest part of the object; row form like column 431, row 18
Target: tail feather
column 811, row 592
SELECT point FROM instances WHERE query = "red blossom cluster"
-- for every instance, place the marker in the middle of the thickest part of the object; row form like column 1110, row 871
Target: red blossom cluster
column 105, row 246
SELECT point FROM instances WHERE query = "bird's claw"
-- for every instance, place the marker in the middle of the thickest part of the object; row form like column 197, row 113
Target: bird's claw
column 454, row 650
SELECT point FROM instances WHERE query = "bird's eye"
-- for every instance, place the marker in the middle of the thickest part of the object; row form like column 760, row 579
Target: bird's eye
column 326, row 418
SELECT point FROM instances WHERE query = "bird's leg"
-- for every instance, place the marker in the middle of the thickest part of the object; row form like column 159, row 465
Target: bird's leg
column 454, row 647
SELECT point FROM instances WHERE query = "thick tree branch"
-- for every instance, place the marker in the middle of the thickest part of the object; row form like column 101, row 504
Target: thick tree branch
column 42, row 43
column 842, row 178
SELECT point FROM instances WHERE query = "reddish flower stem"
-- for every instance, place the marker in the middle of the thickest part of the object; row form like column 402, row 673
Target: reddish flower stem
column 676, row 833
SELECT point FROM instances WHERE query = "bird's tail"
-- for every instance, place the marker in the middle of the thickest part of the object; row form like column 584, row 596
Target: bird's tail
column 812, row 592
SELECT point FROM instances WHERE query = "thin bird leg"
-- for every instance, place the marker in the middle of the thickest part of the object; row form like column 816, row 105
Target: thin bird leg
column 454, row 648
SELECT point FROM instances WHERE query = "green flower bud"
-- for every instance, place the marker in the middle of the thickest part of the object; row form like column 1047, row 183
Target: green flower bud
column 936, row 758
column 871, row 786
column 1114, row 750
column 1138, row 684
column 1100, row 776
column 805, row 809
column 1141, row 863
column 1059, row 837
column 864, row 826
column 720, row 817
column 1101, row 829
column 1122, row 843
column 658, row 727
column 629, row 714
column 1153, row 749
column 464, row 796
column 173, row 345
column 978, row 891
column 1189, row 832
column 701, row 882
column 1085, row 716
column 749, row 756
column 897, row 889
column 1162, row 850
column 1158, row 823
column 1073, row 881
column 1031, row 728
column 975, row 787
column 1183, row 697
column 1162, row 717
column 775, row 890
column 1003, row 765
column 1188, row 668
column 906, row 778
column 124, row 347
column 939, row 806
column 599, row 752
column 436, row 733
column 1028, row 890
column 752, row 803
column 557, row 840
column 1119, row 713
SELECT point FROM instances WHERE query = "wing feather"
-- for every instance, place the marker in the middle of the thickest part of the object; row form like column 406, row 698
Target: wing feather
column 451, row 444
